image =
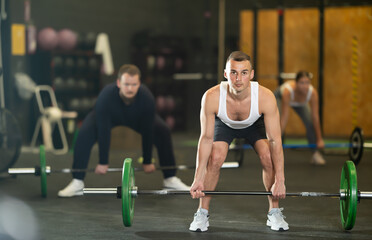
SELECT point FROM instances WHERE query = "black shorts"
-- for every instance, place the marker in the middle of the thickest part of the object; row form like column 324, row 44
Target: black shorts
column 253, row 133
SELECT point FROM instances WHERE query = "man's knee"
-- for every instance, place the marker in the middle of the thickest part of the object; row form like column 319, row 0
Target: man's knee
column 216, row 160
column 265, row 157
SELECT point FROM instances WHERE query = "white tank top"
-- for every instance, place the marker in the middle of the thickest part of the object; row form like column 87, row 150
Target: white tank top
column 292, row 102
column 253, row 115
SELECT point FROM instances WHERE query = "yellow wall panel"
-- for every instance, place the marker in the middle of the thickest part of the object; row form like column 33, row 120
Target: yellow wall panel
column 267, row 48
column 246, row 32
column 301, row 48
column 341, row 26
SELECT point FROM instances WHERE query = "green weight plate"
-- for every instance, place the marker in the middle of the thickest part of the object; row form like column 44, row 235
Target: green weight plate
column 126, row 195
column 356, row 145
column 348, row 185
column 43, row 174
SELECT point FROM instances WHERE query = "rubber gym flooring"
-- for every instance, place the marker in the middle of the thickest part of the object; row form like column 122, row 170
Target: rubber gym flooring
column 29, row 216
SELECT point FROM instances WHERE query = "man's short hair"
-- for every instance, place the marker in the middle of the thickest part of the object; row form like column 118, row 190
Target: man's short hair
column 239, row 56
column 130, row 69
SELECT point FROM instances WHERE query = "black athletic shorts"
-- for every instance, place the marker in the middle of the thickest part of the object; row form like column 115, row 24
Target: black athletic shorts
column 255, row 132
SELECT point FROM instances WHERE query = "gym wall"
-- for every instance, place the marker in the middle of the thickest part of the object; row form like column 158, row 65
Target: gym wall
column 121, row 20
column 341, row 25
column 301, row 49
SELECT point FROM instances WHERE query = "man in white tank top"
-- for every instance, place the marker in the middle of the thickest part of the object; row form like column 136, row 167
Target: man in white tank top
column 239, row 108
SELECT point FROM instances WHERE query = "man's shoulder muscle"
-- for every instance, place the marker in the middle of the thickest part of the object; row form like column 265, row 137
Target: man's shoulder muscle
column 211, row 98
column 266, row 99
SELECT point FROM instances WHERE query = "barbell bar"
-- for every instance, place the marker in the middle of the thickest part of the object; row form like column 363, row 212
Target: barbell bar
column 43, row 170
column 49, row 170
column 356, row 146
column 349, row 195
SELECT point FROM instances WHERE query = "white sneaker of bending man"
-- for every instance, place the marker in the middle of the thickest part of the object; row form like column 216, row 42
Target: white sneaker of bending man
column 74, row 188
column 201, row 221
column 275, row 220
column 175, row 183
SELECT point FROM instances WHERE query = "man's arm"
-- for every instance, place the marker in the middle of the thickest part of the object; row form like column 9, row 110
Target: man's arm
column 314, row 105
column 103, row 121
column 269, row 108
column 147, row 131
column 207, row 119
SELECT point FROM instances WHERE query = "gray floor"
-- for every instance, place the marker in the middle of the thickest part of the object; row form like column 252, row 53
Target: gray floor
column 168, row 217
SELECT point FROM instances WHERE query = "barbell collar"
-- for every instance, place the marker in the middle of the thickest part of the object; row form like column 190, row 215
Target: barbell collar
column 342, row 194
column 134, row 191
column 118, row 192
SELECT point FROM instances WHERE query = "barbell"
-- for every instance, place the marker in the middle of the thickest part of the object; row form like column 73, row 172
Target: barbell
column 349, row 195
column 43, row 170
column 355, row 146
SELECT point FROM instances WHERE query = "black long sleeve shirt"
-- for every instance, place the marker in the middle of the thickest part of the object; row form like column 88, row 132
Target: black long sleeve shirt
column 111, row 111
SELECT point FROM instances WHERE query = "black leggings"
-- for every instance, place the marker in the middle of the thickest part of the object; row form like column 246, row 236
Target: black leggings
column 88, row 137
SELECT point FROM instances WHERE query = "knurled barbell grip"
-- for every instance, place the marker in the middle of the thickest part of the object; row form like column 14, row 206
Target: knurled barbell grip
column 253, row 193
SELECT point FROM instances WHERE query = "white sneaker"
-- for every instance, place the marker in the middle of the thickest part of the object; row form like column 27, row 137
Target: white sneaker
column 275, row 220
column 317, row 159
column 175, row 183
column 201, row 221
column 74, row 188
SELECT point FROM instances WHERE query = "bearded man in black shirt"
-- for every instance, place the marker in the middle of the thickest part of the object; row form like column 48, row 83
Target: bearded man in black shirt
column 124, row 103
